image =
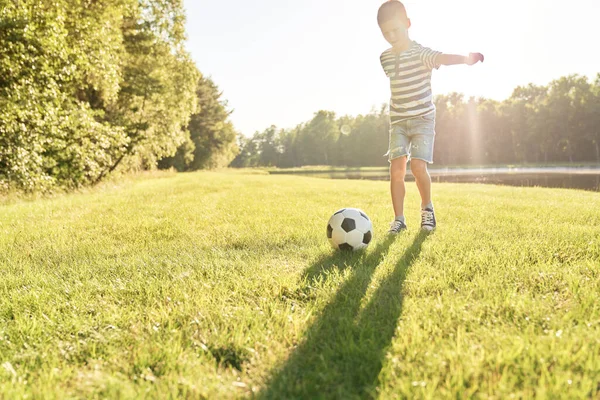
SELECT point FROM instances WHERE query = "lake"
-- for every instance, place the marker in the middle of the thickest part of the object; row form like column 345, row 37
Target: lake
column 554, row 177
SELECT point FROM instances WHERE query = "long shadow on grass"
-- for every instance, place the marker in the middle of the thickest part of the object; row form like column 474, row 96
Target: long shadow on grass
column 343, row 350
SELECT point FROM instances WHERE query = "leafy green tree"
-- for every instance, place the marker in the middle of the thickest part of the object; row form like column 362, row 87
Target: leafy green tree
column 213, row 139
column 249, row 152
column 49, row 135
column 158, row 92
column 451, row 138
column 86, row 85
column 212, row 132
column 269, row 149
column 317, row 139
column 366, row 139
column 289, row 150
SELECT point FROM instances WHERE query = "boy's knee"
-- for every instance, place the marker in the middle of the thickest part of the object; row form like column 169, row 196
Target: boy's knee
column 418, row 167
column 398, row 169
column 398, row 175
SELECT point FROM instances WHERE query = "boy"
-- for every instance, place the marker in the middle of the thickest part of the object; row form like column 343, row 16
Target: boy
column 412, row 113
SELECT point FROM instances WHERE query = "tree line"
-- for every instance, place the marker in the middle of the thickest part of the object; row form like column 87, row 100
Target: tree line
column 555, row 123
column 88, row 87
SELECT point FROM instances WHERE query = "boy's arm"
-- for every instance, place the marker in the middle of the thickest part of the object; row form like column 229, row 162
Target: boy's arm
column 454, row 59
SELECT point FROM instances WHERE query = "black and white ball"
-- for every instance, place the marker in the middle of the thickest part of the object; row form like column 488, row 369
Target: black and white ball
column 349, row 229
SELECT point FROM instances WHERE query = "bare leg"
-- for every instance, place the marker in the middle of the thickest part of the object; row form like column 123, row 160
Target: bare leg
column 397, row 188
column 419, row 170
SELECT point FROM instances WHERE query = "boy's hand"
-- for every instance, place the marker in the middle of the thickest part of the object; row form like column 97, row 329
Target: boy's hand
column 473, row 58
column 455, row 59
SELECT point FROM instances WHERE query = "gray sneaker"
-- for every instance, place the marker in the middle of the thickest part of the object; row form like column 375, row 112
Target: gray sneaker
column 427, row 219
column 396, row 227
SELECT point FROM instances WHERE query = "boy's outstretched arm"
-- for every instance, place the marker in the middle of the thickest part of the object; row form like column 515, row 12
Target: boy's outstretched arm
column 454, row 59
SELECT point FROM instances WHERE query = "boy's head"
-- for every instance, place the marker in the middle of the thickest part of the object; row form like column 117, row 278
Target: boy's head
column 393, row 22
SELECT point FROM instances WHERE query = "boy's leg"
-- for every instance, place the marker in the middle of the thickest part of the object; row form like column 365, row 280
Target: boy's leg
column 422, row 132
column 397, row 187
column 422, row 138
column 419, row 170
column 397, row 156
column 423, row 179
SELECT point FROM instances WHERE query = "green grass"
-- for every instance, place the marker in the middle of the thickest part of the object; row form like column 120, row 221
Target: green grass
column 222, row 285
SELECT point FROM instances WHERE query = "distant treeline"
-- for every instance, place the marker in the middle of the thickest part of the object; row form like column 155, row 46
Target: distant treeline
column 559, row 122
column 91, row 87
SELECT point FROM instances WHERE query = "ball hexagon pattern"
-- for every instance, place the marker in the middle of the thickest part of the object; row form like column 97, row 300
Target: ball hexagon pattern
column 349, row 229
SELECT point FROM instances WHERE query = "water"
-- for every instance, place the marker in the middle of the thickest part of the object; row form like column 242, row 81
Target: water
column 559, row 177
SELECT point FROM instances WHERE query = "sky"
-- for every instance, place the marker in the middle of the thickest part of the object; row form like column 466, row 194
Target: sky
column 280, row 61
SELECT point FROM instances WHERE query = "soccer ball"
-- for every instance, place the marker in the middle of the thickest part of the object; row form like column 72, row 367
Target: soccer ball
column 349, row 229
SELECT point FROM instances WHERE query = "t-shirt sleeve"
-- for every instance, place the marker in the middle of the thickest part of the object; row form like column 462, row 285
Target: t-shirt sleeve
column 430, row 58
column 384, row 60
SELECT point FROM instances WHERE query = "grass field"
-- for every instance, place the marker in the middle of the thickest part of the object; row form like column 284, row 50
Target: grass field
column 222, row 285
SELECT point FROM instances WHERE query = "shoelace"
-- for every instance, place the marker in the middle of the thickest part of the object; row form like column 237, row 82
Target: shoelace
column 426, row 217
column 396, row 225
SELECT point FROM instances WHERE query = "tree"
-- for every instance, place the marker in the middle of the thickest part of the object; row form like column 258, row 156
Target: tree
column 213, row 138
column 212, row 132
column 249, row 152
column 90, row 86
column 157, row 96
column 317, row 139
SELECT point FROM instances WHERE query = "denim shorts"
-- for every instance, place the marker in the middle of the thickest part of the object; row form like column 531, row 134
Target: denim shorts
column 413, row 137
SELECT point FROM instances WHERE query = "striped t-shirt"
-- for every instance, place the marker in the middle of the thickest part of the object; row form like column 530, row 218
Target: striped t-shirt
column 410, row 81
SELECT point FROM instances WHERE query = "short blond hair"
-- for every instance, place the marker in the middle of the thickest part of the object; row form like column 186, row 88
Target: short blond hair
column 389, row 10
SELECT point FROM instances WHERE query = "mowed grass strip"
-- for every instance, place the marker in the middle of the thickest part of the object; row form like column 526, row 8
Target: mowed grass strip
column 222, row 285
